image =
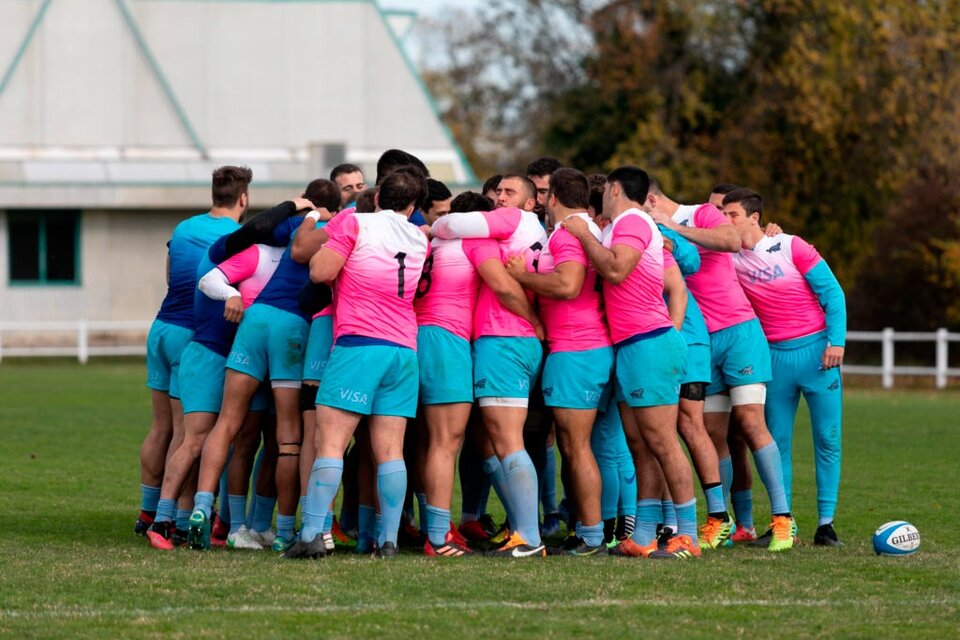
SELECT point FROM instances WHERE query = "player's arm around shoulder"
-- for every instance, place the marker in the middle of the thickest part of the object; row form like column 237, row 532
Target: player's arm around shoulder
column 614, row 264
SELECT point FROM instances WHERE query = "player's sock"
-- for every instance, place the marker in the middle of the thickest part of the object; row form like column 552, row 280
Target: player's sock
column 328, row 521
column 324, row 481
column 820, row 522
column 549, row 497
column 592, row 534
column 183, row 519
column 629, row 525
column 494, row 470
column 687, row 520
column 767, row 461
column 203, row 500
column 263, row 507
column 668, row 514
column 166, row 510
column 366, row 524
column 648, row 516
column 378, row 528
column 743, row 507
column 726, row 477
column 714, row 495
column 521, row 483
column 149, row 497
column 391, row 487
column 286, row 526
column 301, row 503
column 422, row 512
column 438, row 523
column 238, row 511
column 349, row 518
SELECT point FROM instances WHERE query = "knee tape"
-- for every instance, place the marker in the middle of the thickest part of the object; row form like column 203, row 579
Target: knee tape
column 717, row 403
column 308, row 397
column 695, row 391
column 289, row 450
column 748, row 394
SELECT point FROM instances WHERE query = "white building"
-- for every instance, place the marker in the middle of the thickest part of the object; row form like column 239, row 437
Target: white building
column 114, row 113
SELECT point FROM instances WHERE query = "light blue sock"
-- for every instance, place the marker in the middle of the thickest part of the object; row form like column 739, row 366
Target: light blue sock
column 438, row 524
column 149, row 497
column 743, row 507
column 391, row 487
column 252, row 506
column 824, row 520
column 422, row 511
column 591, row 534
column 549, row 497
column 669, row 514
column 166, row 510
column 366, row 527
column 328, row 522
column 286, row 526
column 378, row 528
column 648, row 515
column 203, row 500
column 324, row 481
column 521, row 483
column 238, row 512
column 302, row 503
column 183, row 519
column 726, row 478
column 769, row 466
column 687, row 520
column 714, row 496
column 494, row 470
column 263, row 512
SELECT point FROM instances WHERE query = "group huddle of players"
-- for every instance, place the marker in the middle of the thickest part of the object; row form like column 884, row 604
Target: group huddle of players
column 373, row 338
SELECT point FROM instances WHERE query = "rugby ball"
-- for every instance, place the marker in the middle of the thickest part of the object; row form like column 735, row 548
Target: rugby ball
column 897, row 538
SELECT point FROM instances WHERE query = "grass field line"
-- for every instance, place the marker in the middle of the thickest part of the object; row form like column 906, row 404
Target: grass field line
column 124, row 612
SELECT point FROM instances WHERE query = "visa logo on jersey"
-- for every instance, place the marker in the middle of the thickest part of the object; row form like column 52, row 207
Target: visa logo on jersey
column 765, row 274
column 350, row 395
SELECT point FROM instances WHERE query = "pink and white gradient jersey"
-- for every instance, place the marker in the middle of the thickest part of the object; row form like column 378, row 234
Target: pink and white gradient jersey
column 578, row 324
column 373, row 293
column 715, row 285
column 772, row 275
column 447, row 293
column 252, row 268
column 499, row 234
column 636, row 305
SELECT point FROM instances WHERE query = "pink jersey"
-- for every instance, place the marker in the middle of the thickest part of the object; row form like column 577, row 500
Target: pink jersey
column 252, row 268
column 578, row 324
column 715, row 285
column 447, row 293
column 771, row 274
column 373, row 293
column 499, row 234
column 636, row 305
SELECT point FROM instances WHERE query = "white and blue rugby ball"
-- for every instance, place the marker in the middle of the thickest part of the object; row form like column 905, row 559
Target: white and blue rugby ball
column 897, row 538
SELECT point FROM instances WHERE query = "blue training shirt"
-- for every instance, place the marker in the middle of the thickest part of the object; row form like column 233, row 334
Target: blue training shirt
column 283, row 289
column 212, row 330
column 694, row 329
column 187, row 246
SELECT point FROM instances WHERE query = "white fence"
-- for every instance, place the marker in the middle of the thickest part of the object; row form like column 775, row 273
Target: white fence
column 82, row 349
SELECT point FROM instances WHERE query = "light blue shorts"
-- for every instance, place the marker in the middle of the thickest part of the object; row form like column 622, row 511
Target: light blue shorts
column 376, row 380
column 270, row 342
column 577, row 379
column 698, row 364
column 165, row 345
column 649, row 369
column 201, row 379
column 505, row 367
column 739, row 355
column 446, row 366
column 319, row 344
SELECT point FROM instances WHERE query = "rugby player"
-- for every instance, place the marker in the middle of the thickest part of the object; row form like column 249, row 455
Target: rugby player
column 349, row 179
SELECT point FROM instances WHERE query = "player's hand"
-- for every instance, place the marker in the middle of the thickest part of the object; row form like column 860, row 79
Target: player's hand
column 663, row 218
column 576, row 225
column 516, row 266
column 541, row 333
column 233, row 309
column 772, row 229
column 302, row 203
column 668, row 244
column 832, row 357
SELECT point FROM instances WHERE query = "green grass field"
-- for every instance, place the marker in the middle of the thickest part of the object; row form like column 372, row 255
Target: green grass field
column 71, row 566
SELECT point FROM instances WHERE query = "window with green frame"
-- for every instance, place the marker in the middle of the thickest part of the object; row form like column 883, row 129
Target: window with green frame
column 44, row 246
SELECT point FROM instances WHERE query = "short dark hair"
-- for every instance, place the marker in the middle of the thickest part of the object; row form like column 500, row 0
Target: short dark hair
column 597, row 182
column 323, row 194
column 634, row 181
column 402, row 188
column 571, row 188
column 491, row 183
column 525, row 181
column 746, row 198
column 342, row 169
column 724, row 188
column 228, row 184
column 436, row 190
column 393, row 159
column 654, row 187
column 366, row 202
column 471, row 201
column 544, row 166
